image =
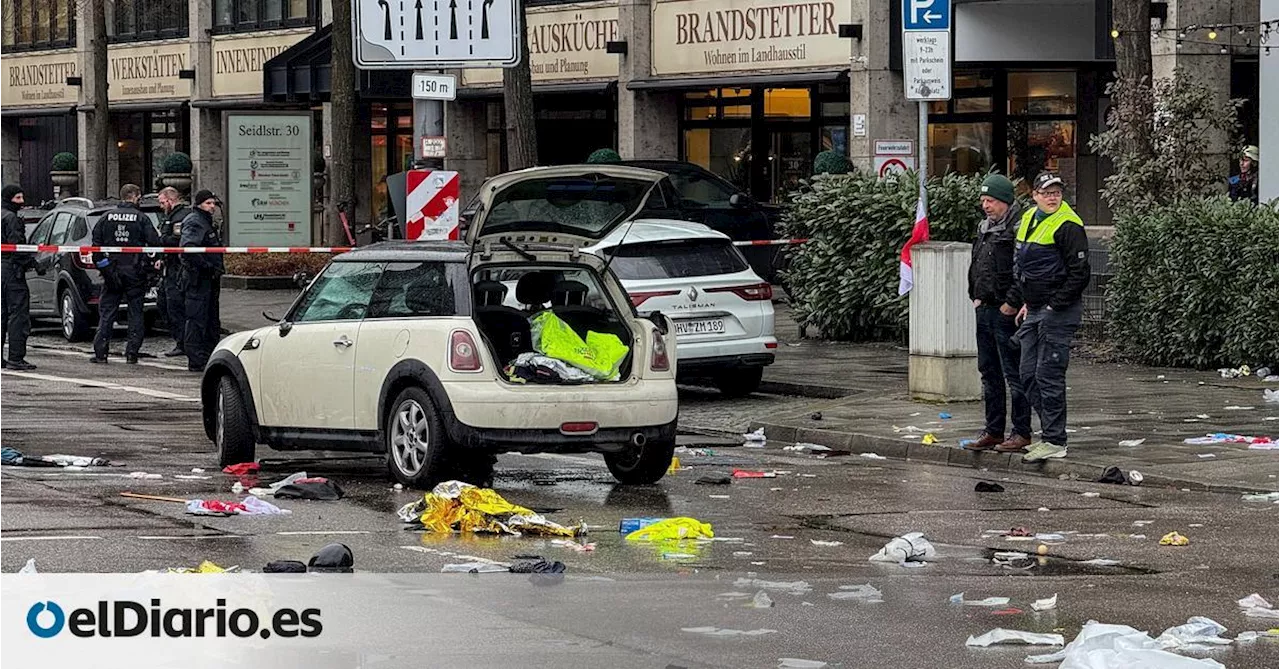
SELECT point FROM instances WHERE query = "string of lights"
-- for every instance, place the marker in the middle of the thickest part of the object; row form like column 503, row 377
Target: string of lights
column 1188, row 34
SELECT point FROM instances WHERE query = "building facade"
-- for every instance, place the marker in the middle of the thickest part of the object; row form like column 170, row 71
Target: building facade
column 752, row 90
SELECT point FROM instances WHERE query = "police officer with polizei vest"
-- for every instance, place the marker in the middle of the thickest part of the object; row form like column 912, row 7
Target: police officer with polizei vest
column 1051, row 268
column 201, row 274
column 124, row 275
column 171, row 300
column 13, row 283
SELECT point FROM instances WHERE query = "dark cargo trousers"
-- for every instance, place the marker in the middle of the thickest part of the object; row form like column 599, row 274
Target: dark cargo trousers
column 1045, row 338
column 999, row 361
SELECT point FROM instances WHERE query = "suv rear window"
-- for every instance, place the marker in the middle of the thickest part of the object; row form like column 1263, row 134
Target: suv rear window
column 676, row 259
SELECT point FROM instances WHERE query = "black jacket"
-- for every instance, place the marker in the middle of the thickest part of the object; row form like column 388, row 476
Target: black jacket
column 1053, row 275
column 991, row 266
column 198, row 230
column 125, row 225
column 171, row 232
column 15, row 232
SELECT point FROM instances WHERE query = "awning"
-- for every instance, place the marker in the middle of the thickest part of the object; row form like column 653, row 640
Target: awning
column 739, row 81
column 550, row 88
column 37, row 111
column 229, row 103
column 141, row 105
column 303, row 74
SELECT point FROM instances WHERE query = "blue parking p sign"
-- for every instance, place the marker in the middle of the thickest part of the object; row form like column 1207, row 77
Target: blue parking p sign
column 926, row 14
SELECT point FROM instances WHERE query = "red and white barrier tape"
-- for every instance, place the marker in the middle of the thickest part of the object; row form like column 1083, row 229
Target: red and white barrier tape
column 48, row 248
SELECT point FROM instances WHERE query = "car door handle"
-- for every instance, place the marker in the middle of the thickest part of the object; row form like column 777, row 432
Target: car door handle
column 343, row 342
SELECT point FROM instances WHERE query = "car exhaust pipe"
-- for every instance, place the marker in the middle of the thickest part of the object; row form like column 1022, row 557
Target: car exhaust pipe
column 638, row 439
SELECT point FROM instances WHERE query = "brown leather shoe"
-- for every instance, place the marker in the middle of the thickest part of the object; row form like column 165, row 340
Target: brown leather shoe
column 985, row 442
column 1014, row 444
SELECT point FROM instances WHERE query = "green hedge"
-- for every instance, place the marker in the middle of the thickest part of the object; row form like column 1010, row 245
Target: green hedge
column 845, row 280
column 1194, row 284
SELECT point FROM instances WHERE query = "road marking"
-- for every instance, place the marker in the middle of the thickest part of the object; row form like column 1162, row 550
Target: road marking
column 75, row 353
column 307, row 532
column 208, row 536
column 576, row 459
column 160, row 394
column 70, row 537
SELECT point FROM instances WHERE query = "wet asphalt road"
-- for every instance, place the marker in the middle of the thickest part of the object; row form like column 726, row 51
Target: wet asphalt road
column 146, row 418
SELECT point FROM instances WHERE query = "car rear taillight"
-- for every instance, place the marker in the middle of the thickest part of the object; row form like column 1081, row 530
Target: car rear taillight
column 752, row 293
column 659, row 361
column 578, row 428
column 638, row 299
column 463, row 354
column 83, row 260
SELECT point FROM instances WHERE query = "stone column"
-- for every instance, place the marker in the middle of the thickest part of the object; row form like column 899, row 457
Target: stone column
column 465, row 126
column 1268, row 110
column 206, row 124
column 647, row 120
column 10, row 140
column 89, row 152
column 874, row 89
column 943, row 363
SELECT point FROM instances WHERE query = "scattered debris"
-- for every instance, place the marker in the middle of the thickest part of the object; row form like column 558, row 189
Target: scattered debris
column 205, row 567
column 745, row 474
column 1011, row 611
column 1118, row 477
column 797, row 663
column 1045, row 604
column 474, row 568
column 14, row 457
column 1001, row 635
column 332, row 558
column 29, row 567
column 1197, row 630
column 757, row 436
column 806, row 447
column 817, row 415
column 1020, row 532
column 789, row 587
column 191, row 477
column 911, row 547
column 1174, row 539
column 573, row 545
column 285, row 567
column 1090, row 494
column 671, row 529
column 714, row 479
column 1270, row 396
column 872, row 456
column 1256, row 606
column 866, row 593
column 1102, row 562
column 1255, row 443
column 457, row 506
column 143, row 475
column 1228, row 373
column 717, row 496
column 1204, row 456
column 910, row 429
column 1237, row 408
column 761, row 600
column 242, row 469
column 958, row 598
column 716, row 631
column 820, row 542
column 928, row 439
column 987, row 486
column 536, row 564
column 250, row 506
column 944, row 416
column 1102, row 646
column 1262, row 497
column 1129, row 443
column 629, row 525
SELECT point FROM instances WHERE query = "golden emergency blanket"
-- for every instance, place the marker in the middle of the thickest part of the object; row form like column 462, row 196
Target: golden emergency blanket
column 454, row 506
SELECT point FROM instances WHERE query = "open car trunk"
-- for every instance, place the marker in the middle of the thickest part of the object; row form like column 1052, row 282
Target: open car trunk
column 519, row 310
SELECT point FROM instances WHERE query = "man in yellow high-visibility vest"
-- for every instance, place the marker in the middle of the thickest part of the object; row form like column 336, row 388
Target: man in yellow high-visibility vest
column 1051, row 270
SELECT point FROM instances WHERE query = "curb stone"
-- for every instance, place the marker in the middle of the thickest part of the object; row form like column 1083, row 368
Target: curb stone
column 900, row 449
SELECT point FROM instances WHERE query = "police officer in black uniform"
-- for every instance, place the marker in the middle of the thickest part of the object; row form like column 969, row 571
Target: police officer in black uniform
column 171, row 299
column 201, row 274
column 17, row 296
column 124, row 275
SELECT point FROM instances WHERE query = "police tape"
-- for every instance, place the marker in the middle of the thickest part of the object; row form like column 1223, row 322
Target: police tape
column 53, row 248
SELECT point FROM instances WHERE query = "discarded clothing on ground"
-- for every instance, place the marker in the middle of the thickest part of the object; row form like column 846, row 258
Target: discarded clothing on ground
column 250, row 506
column 911, row 547
column 537, row 368
column 1174, row 539
column 242, row 469
column 1118, row 477
column 1256, row 606
column 1255, row 443
column 1001, row 635
column 536, row 564
column 454, row 506
column 14, row 457
column 311, row 489
column 714, row 479
column 987, row 486
column 599, row 355
column 1100, row 646
column 285, row 567
column 332, row 558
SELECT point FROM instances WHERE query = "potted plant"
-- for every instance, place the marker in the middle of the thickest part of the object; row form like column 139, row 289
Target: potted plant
column 176, row 171
column 65, row 172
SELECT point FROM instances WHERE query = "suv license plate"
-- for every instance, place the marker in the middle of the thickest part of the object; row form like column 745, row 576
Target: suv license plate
column 708, row 326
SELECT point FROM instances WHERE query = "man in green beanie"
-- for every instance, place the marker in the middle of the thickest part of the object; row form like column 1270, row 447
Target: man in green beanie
column 995, row 303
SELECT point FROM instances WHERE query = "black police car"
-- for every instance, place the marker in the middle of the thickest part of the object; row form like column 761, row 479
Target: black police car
column 66, row 286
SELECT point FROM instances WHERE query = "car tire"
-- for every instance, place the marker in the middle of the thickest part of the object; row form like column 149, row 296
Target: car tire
column 233, row 435
column 75, row 323
column 641, row 465
column 739, row 382
column 415, row 440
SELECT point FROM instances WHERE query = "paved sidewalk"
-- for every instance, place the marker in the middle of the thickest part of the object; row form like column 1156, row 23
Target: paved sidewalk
column 1107, row 403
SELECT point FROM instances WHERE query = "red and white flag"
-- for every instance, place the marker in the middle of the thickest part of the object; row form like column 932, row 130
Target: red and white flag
column 919, row 233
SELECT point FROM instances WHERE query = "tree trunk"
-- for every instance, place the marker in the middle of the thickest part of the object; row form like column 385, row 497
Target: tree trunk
column 100, row 119
column 517, row 94
column 342, row 169
column 1133, row 64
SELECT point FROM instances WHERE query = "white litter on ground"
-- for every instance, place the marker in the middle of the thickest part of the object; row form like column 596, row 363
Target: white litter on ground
column 1132, row 442
column 1197, row 630
column 1045, row 604
column 866, row 593
column 1100, row 646
column 1001, row 635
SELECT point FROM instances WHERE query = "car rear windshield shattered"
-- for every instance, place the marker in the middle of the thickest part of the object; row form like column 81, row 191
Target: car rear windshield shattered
column 588, row 205
column 677, row 259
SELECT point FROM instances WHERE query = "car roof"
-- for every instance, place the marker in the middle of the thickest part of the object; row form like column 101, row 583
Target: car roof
column 661, row 165
column 658, row 230
column 398, row 251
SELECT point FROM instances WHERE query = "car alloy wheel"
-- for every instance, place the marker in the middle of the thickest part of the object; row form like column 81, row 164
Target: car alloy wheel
column 68, row 315
column 410, row 437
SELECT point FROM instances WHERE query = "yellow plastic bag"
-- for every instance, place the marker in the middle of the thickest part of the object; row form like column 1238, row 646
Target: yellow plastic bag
column 600, row 355
column 1174, row 539
column 929, row 439
column 671, row 529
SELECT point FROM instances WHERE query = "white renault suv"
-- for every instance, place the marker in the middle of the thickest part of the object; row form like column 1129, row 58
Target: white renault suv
column 411, row 349
column 723, row 311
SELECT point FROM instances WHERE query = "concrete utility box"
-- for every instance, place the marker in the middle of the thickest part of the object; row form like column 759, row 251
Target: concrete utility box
column 944, row 356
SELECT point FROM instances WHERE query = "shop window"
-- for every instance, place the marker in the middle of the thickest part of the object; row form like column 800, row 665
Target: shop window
column 723, row 151
column 964, row 148
column 834, row 108
column 149, row 19
column 1042, row 93
column 835, row 138
column 786, row 103
column 1035, row 146
column 250, row 15
column 973, row 105
column 736, row 111
column 37, row 24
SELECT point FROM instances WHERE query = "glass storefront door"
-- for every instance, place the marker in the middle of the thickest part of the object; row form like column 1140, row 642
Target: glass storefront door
column 790, row 160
